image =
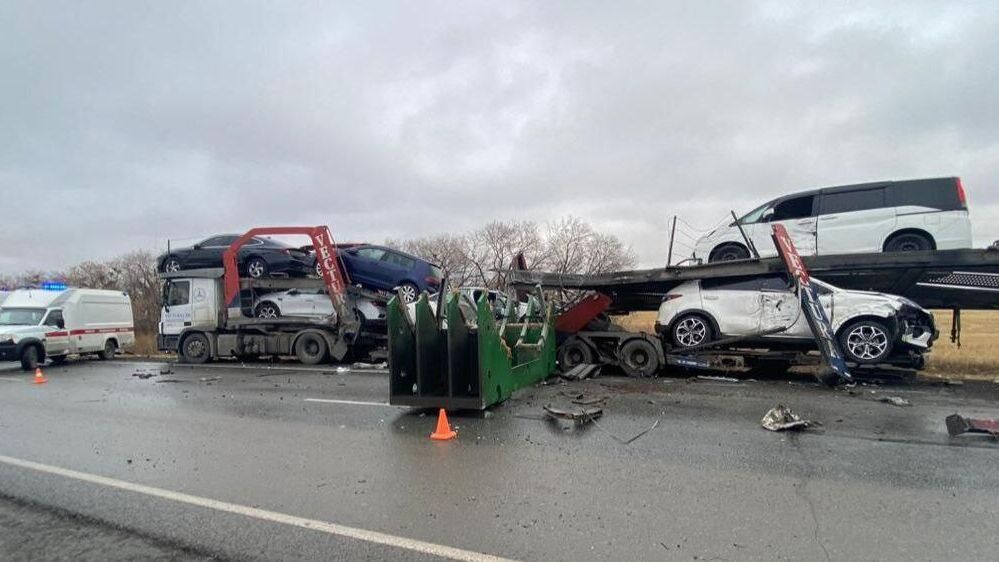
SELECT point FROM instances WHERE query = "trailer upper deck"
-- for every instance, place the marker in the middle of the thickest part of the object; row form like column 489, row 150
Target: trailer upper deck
column 935, row 279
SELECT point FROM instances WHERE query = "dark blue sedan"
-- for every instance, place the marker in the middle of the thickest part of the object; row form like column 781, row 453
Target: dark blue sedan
column 383, row 268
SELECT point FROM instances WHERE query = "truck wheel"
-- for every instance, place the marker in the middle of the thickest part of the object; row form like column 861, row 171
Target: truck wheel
column 866, row 342
column 311, row 349
column 110, row 348
column 690, row 330
column 29, row 358
column 256, row 268
column 639, row 358
column 195, row 349
column 574, row 352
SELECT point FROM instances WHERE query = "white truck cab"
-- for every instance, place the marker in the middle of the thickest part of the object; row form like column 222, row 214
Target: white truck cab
column 36, row 324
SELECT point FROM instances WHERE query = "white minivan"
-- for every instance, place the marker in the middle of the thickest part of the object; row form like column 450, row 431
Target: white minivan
column 892, row 216
column 38, row 323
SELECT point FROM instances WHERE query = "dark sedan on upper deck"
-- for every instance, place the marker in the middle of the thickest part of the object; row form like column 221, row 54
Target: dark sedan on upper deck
column 259, row 257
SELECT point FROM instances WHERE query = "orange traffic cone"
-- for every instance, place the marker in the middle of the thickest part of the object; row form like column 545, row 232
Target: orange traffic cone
column 39, row 377
column 443, row 431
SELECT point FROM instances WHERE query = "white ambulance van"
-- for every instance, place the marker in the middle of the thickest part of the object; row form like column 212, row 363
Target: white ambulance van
column 36, row 324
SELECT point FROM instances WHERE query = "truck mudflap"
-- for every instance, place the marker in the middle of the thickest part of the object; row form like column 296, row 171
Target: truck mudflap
column 454, row 361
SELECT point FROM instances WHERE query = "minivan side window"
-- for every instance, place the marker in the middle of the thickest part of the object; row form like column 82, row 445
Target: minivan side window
column 179, row 293
column 796, row 208
column 935, row 193
column 850, row 201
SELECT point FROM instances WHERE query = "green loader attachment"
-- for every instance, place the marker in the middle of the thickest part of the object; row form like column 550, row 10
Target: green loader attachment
column 468, row 356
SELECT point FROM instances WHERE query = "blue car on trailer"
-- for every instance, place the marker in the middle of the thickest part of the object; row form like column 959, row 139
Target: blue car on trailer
column 384, row 268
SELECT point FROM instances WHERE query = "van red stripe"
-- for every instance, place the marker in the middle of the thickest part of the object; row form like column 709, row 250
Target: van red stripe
column 89, row 331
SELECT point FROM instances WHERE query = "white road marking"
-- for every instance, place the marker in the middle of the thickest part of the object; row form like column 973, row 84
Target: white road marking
column 375, row 537
column 354, row 402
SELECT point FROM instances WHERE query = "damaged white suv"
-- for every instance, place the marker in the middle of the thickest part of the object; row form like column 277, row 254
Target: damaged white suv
column 872, row 328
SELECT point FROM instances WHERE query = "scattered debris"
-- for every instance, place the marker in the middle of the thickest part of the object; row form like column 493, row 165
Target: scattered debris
column 957, row 424
column 165, row 371
column 589, row 401
column 580, row 372
column 780, row 418
column 578, row 416
column 895, row 401
column 717, row 379
column 210, row 379
column 361, row 365
column 143, row 375
column 169, row 380
column 343, row 369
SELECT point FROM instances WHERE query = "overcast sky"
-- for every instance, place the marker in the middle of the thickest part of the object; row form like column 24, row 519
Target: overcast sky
column 126, row 123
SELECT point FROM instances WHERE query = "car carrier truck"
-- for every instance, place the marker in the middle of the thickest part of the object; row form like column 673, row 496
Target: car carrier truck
column 208, row 313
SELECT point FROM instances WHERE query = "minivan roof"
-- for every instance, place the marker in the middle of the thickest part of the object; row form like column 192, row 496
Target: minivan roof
column 946, row 182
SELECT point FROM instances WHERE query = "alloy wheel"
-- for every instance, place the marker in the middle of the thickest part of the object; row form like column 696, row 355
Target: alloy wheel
column 691, row 331
column 867, row 342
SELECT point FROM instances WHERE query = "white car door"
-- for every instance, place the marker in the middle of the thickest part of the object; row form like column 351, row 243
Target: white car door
column 177, row 313
column 295, row 303
column 734, row 303
column 797, row 214
column 854, row 221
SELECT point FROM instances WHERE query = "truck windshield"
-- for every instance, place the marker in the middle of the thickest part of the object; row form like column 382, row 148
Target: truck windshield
column 21, row 316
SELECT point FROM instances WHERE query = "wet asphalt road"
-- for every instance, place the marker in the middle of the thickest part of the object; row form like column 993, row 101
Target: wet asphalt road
column 875, row 482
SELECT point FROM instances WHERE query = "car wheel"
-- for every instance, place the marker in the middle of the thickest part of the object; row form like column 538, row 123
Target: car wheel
column 29, row 358
column 108, row 353
column 574, row 352
column 409, row 292
column 195, row 349
column 909, row 242
column 171, row 265
column 310, row 349
column 267, row 310
column 691, row 330
column 256, row 268
column 866, row 341
column 639, row 358
column 729, row 252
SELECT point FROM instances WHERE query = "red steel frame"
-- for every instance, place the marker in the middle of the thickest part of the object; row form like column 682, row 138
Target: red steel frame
column 335, row 278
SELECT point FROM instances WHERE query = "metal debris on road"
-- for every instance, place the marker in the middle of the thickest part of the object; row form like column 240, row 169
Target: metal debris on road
column 143, row 375
column 578, row 416
column 582, row 401
column 361, row 365
column 580, row 372
column 895, row 401
column 210, row 379
column 781, row 418
column 166, row 371
column 716, row 379
column 958, row 424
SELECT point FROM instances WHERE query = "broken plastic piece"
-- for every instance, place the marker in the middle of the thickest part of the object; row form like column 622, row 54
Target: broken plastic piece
column 781, row 418
column 581, row 415
column 895, row 401
column 582, row 371
column 957, row 424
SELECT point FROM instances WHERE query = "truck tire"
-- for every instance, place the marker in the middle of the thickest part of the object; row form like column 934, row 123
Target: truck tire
column 574, row 352
column 195, row 349
column 311, row 348
column 30, row 358
column 639, row 358
column 109, row 351
column 866, row 341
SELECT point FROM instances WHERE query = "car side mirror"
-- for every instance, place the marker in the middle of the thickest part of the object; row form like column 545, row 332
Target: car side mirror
column 61, row 324
column 196, row 247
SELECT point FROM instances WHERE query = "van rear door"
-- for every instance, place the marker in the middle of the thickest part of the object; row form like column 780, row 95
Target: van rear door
column 853, row 220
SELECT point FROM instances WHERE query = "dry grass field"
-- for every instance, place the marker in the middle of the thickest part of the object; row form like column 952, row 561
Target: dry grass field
column 977, row 358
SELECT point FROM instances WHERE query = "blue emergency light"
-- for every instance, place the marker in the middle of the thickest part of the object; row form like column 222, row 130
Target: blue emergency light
column 53, row 286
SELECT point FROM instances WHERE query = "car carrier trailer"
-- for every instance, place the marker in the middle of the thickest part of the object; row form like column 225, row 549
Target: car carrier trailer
column 953, row 279
column 207, row 313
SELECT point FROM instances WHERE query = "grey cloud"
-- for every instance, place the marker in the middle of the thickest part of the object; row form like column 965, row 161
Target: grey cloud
column 128, row 123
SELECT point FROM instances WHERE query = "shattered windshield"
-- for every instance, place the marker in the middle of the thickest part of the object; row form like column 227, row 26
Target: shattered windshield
column 21, row 316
